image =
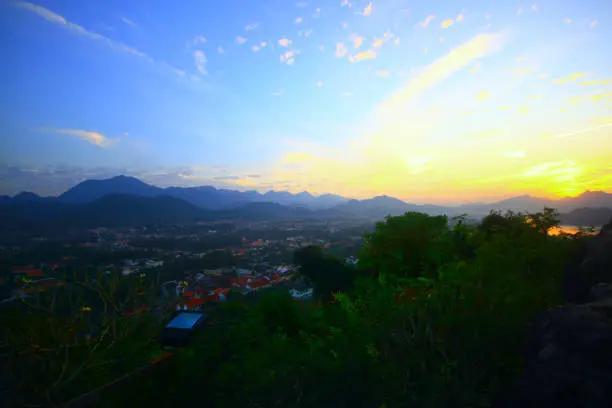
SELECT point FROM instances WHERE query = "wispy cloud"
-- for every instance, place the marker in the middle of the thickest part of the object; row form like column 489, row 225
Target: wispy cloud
column 447, row 23
column 383, row 73
column 288, row 57
column 92, row 137
column 368, row 10
column 319, row 84
column 255, row 48
column 356, row 39
column 200, row 61
column 129, row 22
column 346, row 3
column 221, row 50
column 198, row 39
column 279, row 93
column 80, row 30
column 240, row 40
column 594, row 23
column 460, row 57
column 284, row 42
column 483, row 96
column 298, row 20
column 341, row 50
column 596, row 82
column 251, row 26
column 515, row 155
column 360, row 56
column 567, row 20
column 585, row 130
column 427, row 20
column 570, row 78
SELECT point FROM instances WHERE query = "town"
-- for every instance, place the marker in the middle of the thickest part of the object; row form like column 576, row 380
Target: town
column 196, row 266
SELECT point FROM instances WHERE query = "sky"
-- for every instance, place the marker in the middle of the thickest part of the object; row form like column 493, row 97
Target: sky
column 430, row 102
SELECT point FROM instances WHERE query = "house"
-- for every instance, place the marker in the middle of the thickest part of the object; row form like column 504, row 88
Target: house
column 30, row 271
column 152, row 263
column 243, row 272
column 35, row 273
column 305, row 294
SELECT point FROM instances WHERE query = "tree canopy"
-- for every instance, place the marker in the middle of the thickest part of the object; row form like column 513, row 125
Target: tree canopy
column 431, row 316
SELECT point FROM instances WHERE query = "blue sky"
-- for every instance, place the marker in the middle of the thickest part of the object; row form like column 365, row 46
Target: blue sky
column 432, row 102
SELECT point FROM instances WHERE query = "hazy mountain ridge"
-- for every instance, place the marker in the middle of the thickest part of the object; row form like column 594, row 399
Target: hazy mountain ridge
column 205, row 196
column 124, row 199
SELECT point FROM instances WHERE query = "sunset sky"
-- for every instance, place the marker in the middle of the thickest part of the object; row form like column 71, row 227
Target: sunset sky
column 430, row 101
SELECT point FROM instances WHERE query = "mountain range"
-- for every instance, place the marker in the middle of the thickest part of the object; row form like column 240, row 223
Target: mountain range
column 126, row 200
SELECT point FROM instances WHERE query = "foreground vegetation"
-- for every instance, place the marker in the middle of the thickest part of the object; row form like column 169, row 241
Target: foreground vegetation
column 433, row 316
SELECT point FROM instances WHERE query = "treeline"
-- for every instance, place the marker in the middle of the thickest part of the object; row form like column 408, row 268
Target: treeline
column 432, row 316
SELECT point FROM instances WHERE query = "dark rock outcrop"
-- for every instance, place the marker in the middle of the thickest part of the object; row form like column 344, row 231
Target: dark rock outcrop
column 592, row 265
column 568, row 359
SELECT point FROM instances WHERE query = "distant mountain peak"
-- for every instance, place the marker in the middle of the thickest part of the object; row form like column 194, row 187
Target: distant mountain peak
column 27, row 196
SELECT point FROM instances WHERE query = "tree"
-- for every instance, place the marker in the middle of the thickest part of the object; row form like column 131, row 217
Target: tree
column 327, row 274
column 413, row 244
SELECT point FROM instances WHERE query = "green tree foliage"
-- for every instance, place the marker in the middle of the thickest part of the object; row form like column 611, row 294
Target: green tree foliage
column 67, row 340
column 412, row 245
column 327, row 274
column 434, row 316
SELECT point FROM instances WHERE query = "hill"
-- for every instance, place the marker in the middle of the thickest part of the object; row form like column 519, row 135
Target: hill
column 112, row 210
column 587, row 216
column 204, row 196
column 92, row 190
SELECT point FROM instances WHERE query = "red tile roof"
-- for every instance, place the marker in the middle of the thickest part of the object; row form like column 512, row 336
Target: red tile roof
column 35, row 273
column 188, row 294
column 21, row 269
column 221, row 291
column 137, row 310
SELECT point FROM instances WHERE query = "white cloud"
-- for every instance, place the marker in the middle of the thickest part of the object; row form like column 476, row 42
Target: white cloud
column 255, row 48
column 341, row 50
column 199, row 39
column 426, row 22
column 251, row 26
column 77, row 29
column 129, row 22
column 221, row 50
column 319, row 84
column 346, row 3
column 356, row 39
column 92, row 137
column 279, row 93
column 368, row 10
column 515, row 155
column 200, row 61
column 288, row 57
column 298, row 20
column 240, row 40
column 284, row 42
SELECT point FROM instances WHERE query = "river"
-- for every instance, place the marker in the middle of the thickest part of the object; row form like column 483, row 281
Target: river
column 568, row 229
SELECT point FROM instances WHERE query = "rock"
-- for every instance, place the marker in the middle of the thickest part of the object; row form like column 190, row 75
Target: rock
column 590, row 266
column 568, row 358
